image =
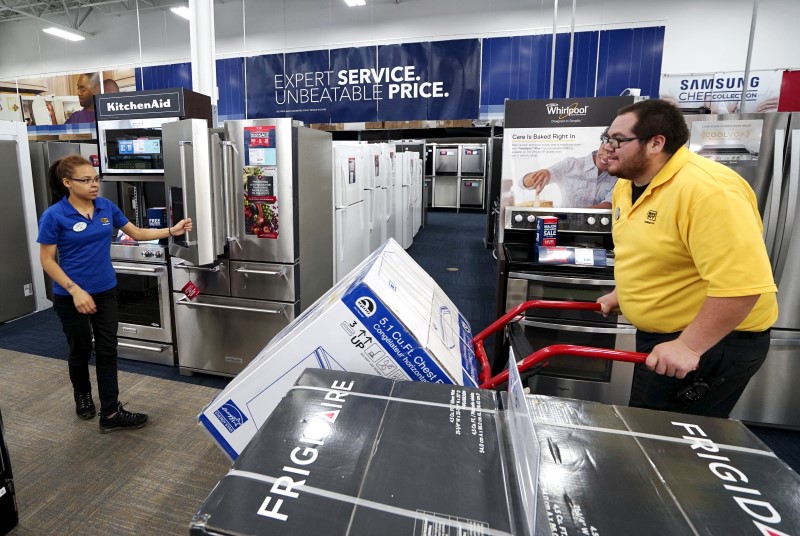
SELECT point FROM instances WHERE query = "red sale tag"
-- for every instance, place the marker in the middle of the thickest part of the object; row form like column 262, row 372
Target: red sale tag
column 190, row 290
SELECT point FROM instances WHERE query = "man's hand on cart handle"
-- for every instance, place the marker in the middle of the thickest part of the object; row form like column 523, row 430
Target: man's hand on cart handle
column 609, row 305
column 673, row 358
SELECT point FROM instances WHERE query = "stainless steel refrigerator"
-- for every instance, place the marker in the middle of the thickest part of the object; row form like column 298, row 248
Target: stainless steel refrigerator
column 765, row 150
column 16, row 276
column 260, row 194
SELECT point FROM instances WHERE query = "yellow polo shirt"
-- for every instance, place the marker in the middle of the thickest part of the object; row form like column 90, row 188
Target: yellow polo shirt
column 694, row 232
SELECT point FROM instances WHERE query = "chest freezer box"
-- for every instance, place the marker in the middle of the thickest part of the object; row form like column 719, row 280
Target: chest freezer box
column 619, row 470
column 376, row 321
column 355, row 454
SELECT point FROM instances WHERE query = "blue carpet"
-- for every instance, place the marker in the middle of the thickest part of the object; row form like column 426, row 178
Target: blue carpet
column 455, row 241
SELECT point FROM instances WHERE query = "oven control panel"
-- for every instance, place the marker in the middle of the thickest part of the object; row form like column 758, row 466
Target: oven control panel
column 569, row 220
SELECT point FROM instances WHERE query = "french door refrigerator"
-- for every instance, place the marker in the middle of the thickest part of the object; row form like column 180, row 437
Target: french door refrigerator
column 260, row 196
column 765, row 150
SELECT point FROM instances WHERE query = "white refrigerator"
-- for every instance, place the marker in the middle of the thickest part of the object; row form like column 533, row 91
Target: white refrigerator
column 375, row 170
column 351, row 230
column 390, row 193
column 402, row 201
column 416, row 194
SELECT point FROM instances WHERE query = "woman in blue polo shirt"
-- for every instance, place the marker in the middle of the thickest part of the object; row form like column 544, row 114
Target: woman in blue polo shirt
column 79, row 227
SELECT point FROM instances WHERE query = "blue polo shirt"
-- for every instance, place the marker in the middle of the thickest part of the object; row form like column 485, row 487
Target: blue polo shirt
column 84, row 245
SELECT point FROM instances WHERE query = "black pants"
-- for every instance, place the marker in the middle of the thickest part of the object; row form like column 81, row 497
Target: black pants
column 79, row 329
column 725, row 370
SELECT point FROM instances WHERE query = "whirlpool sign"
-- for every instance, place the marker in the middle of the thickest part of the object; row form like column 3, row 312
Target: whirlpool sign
column 438, row 80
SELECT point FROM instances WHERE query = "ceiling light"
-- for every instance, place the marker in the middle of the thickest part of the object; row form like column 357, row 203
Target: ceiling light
column 63, row 34
column 182, row 11
column 354, row 3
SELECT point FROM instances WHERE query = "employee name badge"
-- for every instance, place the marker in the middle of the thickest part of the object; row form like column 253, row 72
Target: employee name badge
column 190, row 290
column 80, row 226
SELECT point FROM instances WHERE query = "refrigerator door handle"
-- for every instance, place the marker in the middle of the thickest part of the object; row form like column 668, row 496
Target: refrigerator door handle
column 182, row 150
column 279, row 273
column 785, row 240
column 185, row 301
column 342, row 215
column 228, row 191
column 774, row 202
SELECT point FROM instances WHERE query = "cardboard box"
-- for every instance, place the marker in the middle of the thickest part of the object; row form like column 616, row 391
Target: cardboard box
column 567, row 255
column 405, row 124
column 9, row 515
column 387, row 317
column 373, row 124
column 353, row 454
column 455, row 123
column 356, row 454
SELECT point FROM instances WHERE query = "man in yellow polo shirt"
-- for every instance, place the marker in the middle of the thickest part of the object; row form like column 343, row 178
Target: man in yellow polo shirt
column 691, row 267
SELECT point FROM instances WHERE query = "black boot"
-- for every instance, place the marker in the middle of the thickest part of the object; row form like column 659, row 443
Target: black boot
column 84, row 406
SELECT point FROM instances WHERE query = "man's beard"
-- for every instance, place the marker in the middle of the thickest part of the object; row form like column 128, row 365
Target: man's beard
column 633, row 168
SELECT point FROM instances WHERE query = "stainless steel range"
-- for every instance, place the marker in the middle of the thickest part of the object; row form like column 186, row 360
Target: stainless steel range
column 145, row 315
column 523, row 278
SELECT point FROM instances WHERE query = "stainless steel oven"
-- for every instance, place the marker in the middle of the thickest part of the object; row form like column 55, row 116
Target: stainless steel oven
column 527, row 279
column 145, row 316
column 569, row 376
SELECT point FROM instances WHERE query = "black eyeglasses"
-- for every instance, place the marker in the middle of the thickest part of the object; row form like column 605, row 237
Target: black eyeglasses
column 615, row 142
column 88, row 180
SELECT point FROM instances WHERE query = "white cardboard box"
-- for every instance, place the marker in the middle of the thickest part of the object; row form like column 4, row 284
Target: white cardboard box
column 386, row 318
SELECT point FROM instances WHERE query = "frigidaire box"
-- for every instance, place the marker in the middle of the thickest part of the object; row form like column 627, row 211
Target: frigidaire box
column 619, row 470
column 354, row 454
column 387, row 318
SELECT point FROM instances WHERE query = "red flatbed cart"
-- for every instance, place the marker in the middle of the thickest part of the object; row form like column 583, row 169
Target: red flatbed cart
column 536, row 360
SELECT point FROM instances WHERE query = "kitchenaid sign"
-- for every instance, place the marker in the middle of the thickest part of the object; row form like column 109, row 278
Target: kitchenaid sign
column 158, row 103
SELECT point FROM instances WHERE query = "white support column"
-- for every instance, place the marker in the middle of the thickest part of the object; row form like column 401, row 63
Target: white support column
column 203, row 50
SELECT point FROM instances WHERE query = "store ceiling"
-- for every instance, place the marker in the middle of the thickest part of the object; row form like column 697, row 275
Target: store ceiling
column 73, row 13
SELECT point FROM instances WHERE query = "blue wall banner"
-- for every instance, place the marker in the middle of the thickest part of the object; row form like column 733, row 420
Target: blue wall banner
column 603, row 64
column 438, row 80
column 260, row 75
column 457, row 64
column 406, row 82
column 356, row 102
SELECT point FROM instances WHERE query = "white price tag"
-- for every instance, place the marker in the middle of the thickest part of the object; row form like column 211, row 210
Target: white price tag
column 584, row 256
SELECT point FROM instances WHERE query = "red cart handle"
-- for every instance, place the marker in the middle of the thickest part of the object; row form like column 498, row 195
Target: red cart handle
column 485, row 372
column 564, row 349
